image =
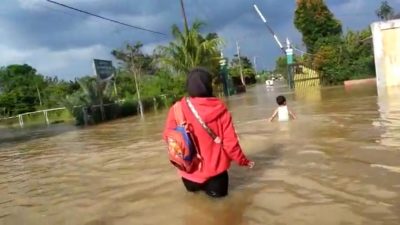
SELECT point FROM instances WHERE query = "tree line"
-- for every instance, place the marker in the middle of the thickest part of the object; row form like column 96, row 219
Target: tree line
column 140, row 79
column 336, row 55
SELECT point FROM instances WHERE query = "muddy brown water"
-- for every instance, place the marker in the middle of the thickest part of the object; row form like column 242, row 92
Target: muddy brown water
column 339, row 163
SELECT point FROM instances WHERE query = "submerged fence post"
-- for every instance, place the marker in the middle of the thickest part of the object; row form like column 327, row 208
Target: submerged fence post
column 165, row 100
column 85, row 116
column 155, row 103
column 21, row 121
column 46, row 117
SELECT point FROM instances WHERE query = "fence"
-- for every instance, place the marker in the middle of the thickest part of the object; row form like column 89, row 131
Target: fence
column 85, row 115
column 300, row 76
column 305, row 77
column 41, row 117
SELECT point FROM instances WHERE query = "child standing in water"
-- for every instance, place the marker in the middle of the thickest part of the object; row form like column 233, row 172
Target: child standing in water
column 282, row 111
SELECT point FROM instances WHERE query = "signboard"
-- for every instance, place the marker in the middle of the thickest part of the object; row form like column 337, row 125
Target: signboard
column 103, row 69
column 289, row 56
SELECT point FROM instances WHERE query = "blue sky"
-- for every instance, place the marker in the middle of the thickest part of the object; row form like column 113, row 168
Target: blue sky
column 61, row 42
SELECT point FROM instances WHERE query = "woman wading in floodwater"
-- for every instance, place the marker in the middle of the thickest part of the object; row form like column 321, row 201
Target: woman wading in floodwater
column 211, row 176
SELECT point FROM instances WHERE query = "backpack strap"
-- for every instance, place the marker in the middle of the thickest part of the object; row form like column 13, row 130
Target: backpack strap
column 181, row 121
column 179, row 117
column 215, row 137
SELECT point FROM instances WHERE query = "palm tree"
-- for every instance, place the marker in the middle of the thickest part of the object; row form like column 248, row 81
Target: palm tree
column 93, row 92
column 190, row 49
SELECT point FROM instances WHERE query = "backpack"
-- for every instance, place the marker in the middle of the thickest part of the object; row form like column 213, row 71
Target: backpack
column 183, row 152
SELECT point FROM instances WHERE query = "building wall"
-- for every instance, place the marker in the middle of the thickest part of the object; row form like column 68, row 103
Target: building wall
column 386, row 38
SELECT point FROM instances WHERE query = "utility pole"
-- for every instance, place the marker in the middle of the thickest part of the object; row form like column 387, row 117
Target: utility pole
column 240, row 63
column 184, row 16
column 289, row 61
column 288, row 51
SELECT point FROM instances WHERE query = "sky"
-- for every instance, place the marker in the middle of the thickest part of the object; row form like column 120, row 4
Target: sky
column 61, row 42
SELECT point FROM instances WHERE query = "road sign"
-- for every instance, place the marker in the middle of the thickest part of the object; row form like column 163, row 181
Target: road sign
column 103, row 69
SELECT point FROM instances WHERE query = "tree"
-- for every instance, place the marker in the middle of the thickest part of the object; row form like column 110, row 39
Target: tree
column 23, row 90
column 95, row 92
column 134, row 61
column 247, row 69
column 92, row 92
column 315, row 21
column 385, row 11
column 162, row 83
column 348, row 57
column 20, row 89
column 191, row 49
column 53, row 91
column 281, row 67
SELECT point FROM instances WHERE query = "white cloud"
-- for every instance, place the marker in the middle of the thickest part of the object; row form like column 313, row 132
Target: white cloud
column 66, row 64
column 148, row 48
column 351, row 6
column 38, row 4
column 31, row 4
column 58, row 41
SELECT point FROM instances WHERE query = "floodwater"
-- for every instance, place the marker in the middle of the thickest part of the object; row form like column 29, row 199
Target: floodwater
column 339, row 163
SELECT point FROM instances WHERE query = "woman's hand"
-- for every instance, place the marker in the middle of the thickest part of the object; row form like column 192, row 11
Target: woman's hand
column 251, row 164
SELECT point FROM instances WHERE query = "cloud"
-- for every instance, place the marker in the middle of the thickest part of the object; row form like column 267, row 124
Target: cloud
column 30, row 4
column 64, row 63
column 59, row 41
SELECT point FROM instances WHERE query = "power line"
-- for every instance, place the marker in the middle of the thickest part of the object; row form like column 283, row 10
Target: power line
column 104, row 18
column 53, row 10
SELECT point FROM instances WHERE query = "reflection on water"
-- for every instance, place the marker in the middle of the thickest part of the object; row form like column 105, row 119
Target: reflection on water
column 337, row 164
column 389, row 108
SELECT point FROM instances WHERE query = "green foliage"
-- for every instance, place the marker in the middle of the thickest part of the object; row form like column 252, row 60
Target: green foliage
column 125, row 84
column 345, row 58
column 54, row 91
column 247, row 69
column 137, row 63
column 335, row 56
column 264, row 75
column 281, row 67
column 134, row 60
column 96, row 91
column 315, row 21
column 385, row 11
column 158, row 90
column 18, row 85
column 23, row 90
column 163, row 84
column 191, row 49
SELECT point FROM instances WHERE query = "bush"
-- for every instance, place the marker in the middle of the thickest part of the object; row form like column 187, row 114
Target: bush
column 128, row 108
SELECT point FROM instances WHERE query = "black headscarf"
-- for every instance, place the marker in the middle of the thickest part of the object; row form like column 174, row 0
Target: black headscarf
column 199, row 83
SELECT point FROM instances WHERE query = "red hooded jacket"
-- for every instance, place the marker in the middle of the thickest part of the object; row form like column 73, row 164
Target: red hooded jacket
column 216, row 157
